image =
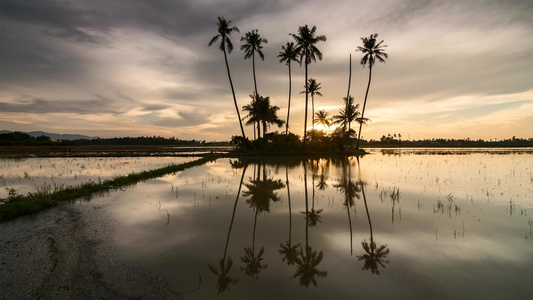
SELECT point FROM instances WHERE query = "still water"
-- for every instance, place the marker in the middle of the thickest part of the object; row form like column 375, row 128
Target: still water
column 404, row 224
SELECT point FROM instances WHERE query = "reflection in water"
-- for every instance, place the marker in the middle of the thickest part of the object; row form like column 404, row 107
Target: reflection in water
column 224, row 280
column 261, row 192
column 308, row 259
column 350, row 190
column 288, row 251
column 373, row 257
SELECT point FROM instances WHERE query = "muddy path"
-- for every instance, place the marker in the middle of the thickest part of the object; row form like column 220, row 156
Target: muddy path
column 67, row 252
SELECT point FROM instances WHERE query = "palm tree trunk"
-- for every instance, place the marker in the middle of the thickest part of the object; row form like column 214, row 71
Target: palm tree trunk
column 306, row 101
column 306, row 208
column 234, row 98
column 289, row 197
column 289, row 107
column 349, row 83
column 364, row 105
column 255, row 86
column 313, row 111
column 367, row 214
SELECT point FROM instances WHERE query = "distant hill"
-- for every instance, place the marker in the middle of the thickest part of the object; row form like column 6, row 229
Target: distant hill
column 56, row 136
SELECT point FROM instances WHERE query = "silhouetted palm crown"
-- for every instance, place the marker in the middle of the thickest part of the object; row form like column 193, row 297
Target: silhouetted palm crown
column 306, row 40
column 372, row 50
column 224, row 31
column 252, row 44
column 288, row 54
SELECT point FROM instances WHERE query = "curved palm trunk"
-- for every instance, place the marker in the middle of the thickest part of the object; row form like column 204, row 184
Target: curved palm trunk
column 349, row 83
column 256, row 94
column 233, row 92
column 289, row 107
column 289, row 197
column 364, row 105
column 368, row 216
column 234, row 210
column 306, row 100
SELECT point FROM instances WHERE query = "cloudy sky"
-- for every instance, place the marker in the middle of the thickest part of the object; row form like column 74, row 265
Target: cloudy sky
column 456, row 69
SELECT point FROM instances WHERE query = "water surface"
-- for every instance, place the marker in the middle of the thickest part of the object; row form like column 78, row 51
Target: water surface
column 396, row 223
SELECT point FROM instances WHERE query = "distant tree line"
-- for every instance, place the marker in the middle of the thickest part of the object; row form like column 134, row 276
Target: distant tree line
column 395, row 140
column 24, row 139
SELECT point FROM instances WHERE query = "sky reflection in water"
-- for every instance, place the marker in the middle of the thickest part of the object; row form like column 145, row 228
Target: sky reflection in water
column 403, row 226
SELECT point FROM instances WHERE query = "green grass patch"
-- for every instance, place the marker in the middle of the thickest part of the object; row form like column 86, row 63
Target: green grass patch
column 16, row 205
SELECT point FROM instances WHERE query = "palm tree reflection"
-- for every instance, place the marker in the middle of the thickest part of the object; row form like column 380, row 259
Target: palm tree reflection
column 350, row 190
column 308, row 259
column 374, row 256
column 261, row 192
column 225, row 264
column 288, row 251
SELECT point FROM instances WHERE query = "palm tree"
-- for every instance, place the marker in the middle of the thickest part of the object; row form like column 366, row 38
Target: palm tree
column 348, row 115
column 253, row 115
column 372, row 51
column 313, row 88
column 262, row 112
column 224, row 31
column 288, row 54
column 252, row 43
column 322, row 118
column 306, row 39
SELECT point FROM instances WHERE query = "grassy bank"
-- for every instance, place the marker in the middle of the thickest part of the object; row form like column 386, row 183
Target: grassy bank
column 18, row 205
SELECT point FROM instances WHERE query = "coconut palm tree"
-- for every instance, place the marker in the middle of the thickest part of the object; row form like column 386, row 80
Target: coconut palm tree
column 260, row 111
column 306, row 41
column 224, row 31
column 348, row 115
column 313, row 88
column 288, row 54
column 252, row 44
column 322, row 118
column 253, row 109
column 372, row 51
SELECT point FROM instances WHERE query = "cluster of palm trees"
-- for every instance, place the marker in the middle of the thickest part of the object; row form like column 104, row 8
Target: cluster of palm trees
column 261, row 113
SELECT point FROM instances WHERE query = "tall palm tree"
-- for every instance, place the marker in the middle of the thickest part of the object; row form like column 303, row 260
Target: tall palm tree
column 288, row 54
column 252, row 44
column 224, row 31
column 306, row 39
column 313, row 88
column 322, row 118
column 372, row 51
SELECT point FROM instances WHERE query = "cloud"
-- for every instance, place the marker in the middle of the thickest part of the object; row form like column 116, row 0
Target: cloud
column 98, row 105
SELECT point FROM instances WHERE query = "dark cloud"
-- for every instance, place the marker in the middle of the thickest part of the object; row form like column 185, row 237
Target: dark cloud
column 98, row 105
column 185, row 119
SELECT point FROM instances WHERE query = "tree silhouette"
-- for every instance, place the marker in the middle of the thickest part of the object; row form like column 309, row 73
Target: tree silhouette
column 322, row 118
column 224, row 31
column 313, row 88
column 262, row 112
column 252, row 44
column 288, row 54
column 350, row 190
column 372, row 51
column 306, row 39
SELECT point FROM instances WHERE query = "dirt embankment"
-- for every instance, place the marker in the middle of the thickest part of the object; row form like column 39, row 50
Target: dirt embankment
column 67, row 252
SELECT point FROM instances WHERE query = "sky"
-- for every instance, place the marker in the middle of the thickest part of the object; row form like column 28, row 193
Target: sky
column 456, row 69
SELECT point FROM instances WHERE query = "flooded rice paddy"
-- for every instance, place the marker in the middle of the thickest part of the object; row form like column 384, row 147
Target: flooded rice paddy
column 405, row 224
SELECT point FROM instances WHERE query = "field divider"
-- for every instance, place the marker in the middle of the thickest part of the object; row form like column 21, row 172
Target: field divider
column 16, row 205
